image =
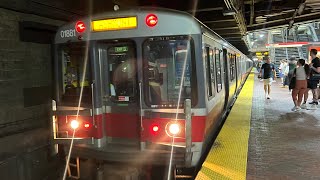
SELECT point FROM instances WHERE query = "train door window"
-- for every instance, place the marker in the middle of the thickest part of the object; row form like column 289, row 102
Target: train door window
column 76, row 74
column 122, row 71
column 218, row 70
column 208, row 71
column 168, row 71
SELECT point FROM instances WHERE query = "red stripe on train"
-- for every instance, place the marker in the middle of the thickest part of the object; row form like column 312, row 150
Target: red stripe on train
column 122, row 125
column 86, row 128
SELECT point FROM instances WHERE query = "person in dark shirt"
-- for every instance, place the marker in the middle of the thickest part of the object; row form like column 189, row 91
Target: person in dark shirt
column 268, row 73
column 312, row 84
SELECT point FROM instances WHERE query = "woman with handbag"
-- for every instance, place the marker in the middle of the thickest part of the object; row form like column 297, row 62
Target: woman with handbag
column 300, row 77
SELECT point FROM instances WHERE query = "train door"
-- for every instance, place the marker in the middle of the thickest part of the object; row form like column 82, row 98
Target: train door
column 121, row 95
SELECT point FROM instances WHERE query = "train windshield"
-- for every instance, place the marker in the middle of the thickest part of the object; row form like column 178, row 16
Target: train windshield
column 167, row 67
column 74, row 68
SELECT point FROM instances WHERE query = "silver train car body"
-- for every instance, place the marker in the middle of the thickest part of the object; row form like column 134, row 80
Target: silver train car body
column 136, row 82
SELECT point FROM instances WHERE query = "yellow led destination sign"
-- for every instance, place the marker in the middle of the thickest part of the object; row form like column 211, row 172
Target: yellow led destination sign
column 114, row 24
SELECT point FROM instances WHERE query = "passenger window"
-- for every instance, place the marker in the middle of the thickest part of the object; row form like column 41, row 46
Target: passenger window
column 208, row 71
column 232, row 66
column 211, row 59
column 218, row 69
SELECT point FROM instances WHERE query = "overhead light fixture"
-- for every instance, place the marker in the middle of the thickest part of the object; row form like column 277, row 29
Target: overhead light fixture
column 301, row 8
column 116, row 7
column 229, row 12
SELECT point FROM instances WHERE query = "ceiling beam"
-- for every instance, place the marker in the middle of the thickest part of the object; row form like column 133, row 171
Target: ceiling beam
column 226, row 28
column 206, row 9
column 251, row 12
column 219, row 21
column 284, row 22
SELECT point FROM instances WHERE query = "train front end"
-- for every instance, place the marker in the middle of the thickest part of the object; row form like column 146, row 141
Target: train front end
column 126, row 88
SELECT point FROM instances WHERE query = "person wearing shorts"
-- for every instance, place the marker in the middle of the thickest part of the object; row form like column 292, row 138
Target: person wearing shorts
column 268, row 73
column 313, row 84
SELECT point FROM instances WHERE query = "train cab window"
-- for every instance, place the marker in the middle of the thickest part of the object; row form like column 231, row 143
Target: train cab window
column 122, row 72
column 168, row 71
column 218, row 69
column 75, row 69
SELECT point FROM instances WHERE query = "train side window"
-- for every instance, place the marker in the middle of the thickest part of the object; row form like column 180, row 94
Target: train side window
column 208, row 71
column 232, row 66
column 218, row 69
column 211, row 59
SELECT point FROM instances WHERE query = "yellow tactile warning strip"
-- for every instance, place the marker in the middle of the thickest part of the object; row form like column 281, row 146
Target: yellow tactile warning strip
column 228, row 158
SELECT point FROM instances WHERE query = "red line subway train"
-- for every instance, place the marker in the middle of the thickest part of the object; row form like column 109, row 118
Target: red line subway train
column 134, row 83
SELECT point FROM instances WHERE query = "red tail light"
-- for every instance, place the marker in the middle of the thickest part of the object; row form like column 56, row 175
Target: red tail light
column 87, row 125
column 151, row 20
column 80, row 27
column 154, row 129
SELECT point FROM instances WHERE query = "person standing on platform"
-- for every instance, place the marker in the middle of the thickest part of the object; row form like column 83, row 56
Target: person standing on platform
column 285, row 76
column 268, row 72
column 313, row 83
column 292, row 65
column 301, row 73
column 282, row 68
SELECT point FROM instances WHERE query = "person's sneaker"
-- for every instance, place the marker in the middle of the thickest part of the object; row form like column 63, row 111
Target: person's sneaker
column 303, row 106
column 294, row 109
column 268, row 97
column 314, row 102
column 313, row 107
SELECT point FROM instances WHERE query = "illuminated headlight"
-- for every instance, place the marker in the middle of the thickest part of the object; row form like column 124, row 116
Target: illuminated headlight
column 74, row 124
column 174, row 129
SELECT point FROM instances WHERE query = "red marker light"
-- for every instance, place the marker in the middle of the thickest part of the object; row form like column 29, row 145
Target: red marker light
column 86, row 125
column 80, row 27
column 155, row 128
column 151, row 20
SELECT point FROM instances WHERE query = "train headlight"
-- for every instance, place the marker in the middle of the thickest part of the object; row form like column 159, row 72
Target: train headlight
column 174, row 128
column 74, row 124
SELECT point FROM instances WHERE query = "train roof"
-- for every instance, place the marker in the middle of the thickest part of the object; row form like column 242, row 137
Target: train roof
column 170, row 22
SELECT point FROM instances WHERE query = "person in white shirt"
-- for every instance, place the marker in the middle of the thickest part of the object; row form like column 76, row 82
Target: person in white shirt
column 301, row 73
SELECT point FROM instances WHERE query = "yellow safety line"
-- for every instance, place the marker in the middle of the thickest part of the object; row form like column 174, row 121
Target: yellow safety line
column 228, row 158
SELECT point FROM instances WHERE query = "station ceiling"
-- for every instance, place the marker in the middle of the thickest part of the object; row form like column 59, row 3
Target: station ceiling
column 232, row 19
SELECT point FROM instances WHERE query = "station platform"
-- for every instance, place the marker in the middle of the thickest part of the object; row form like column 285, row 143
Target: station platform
column 264, row 139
